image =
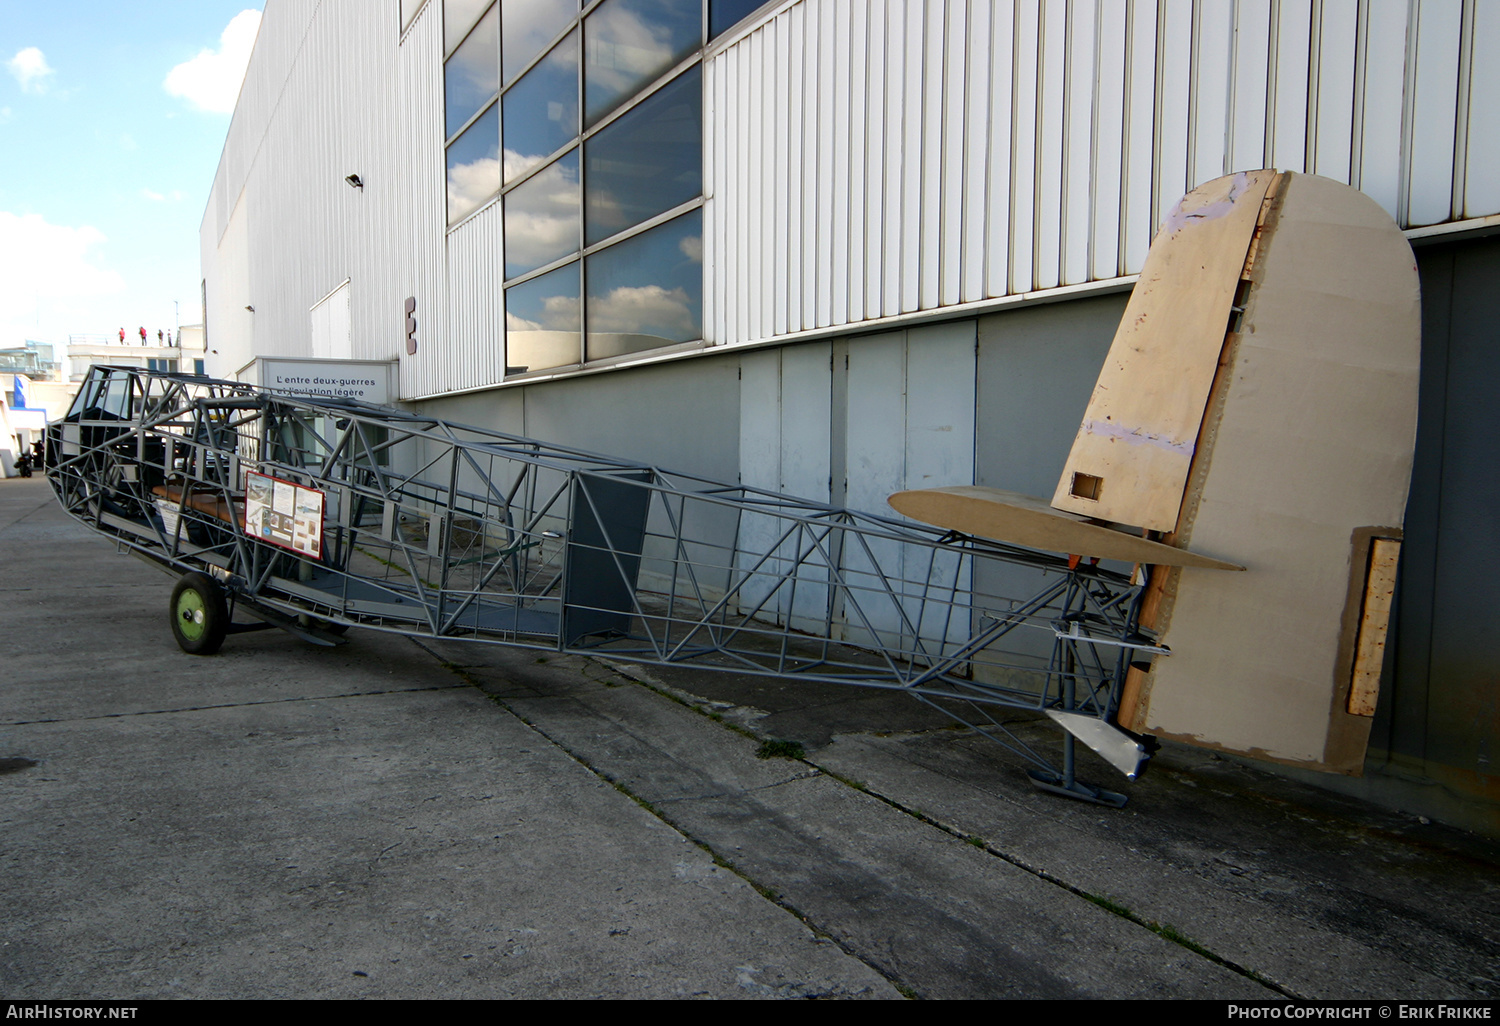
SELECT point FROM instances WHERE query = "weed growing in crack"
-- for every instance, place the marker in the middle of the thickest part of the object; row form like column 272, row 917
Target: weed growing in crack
column 775, row 749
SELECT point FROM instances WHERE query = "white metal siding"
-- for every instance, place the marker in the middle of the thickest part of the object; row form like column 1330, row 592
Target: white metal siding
column 437, row 362
column 473, row 352
column 318, row 103
column 864, row 159
column 896, row 156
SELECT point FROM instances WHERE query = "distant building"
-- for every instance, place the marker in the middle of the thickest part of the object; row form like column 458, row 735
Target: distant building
column 841, row 248
column 183, row 353
column 36, row 360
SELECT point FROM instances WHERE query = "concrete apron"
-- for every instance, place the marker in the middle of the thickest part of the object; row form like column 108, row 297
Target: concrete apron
column 413, row 819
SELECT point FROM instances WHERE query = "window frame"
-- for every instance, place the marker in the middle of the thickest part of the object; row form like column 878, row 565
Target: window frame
column 698, row 56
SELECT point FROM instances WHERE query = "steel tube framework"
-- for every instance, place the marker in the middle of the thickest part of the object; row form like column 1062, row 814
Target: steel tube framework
column 435, row 529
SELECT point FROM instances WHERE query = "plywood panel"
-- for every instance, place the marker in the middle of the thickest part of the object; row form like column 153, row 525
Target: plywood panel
column 1138, row 432
column 1326, row 368
column 1024, row 520
column 1374, row 620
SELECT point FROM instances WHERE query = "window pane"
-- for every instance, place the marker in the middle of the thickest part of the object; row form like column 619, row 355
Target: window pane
column 648, row 161
column 531, row 25
column 471, row 77
column 541, row 110
column 541, row 322
column 647, row 291
column 458, row 15
column 541, row 217
column 630, row 42
column 474, row 165
column 725, row 14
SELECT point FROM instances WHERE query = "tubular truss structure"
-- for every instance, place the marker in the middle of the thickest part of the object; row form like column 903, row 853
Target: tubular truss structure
column 417, row 526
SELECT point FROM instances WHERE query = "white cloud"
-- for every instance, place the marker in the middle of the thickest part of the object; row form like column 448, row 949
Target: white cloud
column 211, row 81
column 30, row 69
column 541, row 217
column 626, row 47
column 46, row 263
column 469, row 185
column 645, row 310
column 154, row 197
column 692, row 248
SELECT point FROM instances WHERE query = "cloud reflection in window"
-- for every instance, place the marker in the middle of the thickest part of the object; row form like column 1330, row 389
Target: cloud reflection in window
column 541, row 109
column 472, row 75
column 647, row 291
column 542, row 321
column 630, row 42
column 458, row 15
column 474, row 166
column 541, row 217
column 529, row 26
column 648, row 161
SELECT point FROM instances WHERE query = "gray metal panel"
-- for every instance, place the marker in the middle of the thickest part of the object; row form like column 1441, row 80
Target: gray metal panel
column 1442, row 714
column 1036, row 370
column 683, row 415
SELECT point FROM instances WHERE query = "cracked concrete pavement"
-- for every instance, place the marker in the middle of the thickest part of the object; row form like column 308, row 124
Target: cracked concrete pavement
column 403, row 818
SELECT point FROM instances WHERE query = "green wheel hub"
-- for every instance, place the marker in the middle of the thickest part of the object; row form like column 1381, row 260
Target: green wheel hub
column 192, row 620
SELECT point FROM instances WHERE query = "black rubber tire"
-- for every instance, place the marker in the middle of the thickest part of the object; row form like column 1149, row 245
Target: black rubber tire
column 199, row 615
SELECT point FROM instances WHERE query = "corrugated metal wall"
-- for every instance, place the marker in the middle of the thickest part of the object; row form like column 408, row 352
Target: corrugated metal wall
column 865, row 159
column 320, row 102
column 869, row 158
column 474, row 353
column 424, row 217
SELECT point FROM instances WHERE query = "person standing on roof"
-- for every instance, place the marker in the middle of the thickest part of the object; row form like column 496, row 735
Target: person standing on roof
column 143, row 334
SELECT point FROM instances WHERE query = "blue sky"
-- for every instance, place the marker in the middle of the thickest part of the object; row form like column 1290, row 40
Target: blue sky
column 112, row 118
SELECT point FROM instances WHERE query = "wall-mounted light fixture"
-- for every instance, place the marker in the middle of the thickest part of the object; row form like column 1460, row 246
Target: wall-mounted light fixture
column 354, row 181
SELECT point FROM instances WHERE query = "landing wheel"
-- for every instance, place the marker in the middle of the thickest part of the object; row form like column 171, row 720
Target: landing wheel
column 200, row 618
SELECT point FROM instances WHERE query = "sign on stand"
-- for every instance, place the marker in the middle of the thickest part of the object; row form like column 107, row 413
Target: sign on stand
column 284, row 513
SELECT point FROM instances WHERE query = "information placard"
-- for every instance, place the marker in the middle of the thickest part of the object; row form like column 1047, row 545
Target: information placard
column 284, row 513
